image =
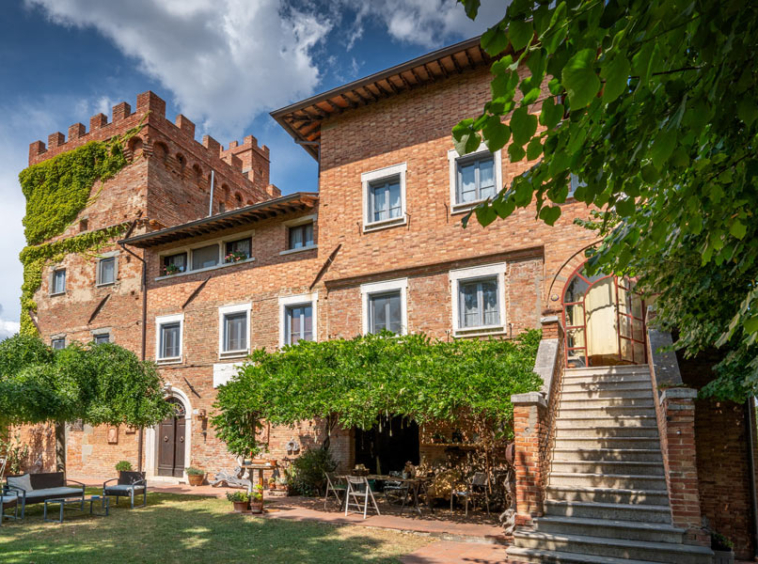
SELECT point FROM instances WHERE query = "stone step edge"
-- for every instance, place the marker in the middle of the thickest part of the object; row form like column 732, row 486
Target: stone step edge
column 571, row 557
column 602, row 505
column 618, row 463
column 618, row 543
column 589, row 489
column 614, row 476
column 609, row 450
column 574, row 438
column 613, row 523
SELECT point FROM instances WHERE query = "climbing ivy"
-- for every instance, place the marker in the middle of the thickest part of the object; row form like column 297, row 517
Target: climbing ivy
column 34, row 259
column 56, row 191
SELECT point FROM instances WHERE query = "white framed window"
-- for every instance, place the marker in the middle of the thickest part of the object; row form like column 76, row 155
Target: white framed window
column 234, row 330
column 298, row 318
column 384, row 202
column 300, row 234
column 169, row 333
column 58, row 343
column 474, row 178
column 107, row 269
column 478, row 299
column 101, row 336
column 210, row 255
column 58, row 281
column 385, row 306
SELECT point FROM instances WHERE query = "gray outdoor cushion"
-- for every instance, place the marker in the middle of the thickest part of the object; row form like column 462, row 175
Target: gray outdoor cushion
column 123, row 488
column 8, row 496
column 23, row 482
column 53, row 492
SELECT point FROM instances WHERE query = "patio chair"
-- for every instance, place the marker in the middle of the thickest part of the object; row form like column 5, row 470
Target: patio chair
column 395, row 491
column 476, row 491
column 8, row 499
column 335, row 487
column 358, row 494
column 127, row 485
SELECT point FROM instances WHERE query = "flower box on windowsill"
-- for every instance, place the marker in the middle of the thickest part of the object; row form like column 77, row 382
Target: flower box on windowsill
column 235, row 257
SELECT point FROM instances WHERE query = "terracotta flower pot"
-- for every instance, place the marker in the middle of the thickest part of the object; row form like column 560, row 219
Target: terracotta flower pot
column 256, row 506
column 241, row 506
column 196, row 479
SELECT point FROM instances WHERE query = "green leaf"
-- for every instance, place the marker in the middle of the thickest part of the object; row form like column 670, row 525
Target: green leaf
column 494, row 41
column 550, row 214
column 738, row 229
column 523, row 125
column 751, row 325
column 551, row 114
column 523, row 192
column 471, row 7
column 504, row 85
column 496, row 134
column 520, row 32
column 485, row 215
column 534, row 149
column 580, row 79
column 663, row 147
column 616, row 75
column 465, row 139
column 516, row 152
column 747, row 110
column 625, row 207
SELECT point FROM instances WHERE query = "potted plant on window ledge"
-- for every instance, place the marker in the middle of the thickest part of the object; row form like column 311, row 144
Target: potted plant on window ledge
column 171, row 269
column 195, row 476
column 236, row 256
column 241, row 501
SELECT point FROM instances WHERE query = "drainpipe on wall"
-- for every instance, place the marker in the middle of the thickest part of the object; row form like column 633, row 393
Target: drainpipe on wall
column 751, row 468
column 143, row 352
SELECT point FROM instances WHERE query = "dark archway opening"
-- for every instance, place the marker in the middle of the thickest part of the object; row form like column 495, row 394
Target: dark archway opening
column 388, row 445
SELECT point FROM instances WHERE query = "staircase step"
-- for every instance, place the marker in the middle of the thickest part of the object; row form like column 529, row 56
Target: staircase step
column 607, row 495
column 610, row 467
column 517, row 555
column 576, row 385
column 605, row 411
column 606, row 370
column 612, row 393
column 615, row 548
column 603, row 434
column 566, row 440
column 600, row 422
column 610, row 529
column 573, row 401
column 613, row 511
column 613, row 379
column 628, row 482
column 563, row 454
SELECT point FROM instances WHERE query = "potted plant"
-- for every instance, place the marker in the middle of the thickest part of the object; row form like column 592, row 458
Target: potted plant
column 123, row 466
column 256, row 499
column 171, row 269
column 272, row 483
column 722, row 549
column 195, row 476
column 235, row 256
column 240, row 499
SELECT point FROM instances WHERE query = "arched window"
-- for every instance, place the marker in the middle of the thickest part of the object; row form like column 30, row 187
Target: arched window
column 160, row 151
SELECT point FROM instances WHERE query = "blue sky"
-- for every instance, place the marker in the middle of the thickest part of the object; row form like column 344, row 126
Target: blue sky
column 223, row 63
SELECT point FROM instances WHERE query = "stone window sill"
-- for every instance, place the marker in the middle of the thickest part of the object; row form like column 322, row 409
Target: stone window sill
column 299, row 250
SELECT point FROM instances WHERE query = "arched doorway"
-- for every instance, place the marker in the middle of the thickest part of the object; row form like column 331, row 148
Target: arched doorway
column 604, row 320
column 171, row 441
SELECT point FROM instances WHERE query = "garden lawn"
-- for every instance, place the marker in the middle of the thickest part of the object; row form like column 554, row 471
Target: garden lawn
column 180, row 528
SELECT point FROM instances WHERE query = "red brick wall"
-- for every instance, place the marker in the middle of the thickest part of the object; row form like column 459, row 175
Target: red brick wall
column 722, row 440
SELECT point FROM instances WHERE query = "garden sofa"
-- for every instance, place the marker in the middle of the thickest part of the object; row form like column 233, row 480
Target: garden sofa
column 41, row 487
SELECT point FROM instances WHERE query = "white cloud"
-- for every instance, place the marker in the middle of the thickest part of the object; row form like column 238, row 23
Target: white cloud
column 8, row 329
column 225, row 61
column 429, row 23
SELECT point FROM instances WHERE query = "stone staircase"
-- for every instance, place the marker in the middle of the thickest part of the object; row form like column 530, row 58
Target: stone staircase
column 606, row 500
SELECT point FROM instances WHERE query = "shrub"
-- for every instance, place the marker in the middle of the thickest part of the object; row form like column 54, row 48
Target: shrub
column 238, row 497
column 720, row 542
column 306, row 473
column 257, row 493
column 192, row 471
column 124, row 466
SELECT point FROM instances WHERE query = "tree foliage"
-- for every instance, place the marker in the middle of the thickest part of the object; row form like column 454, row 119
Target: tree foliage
column 99, row 384
column 654, row 107
column 355, row 381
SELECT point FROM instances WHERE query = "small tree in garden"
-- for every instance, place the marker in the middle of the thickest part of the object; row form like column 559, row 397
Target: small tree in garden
column 99, row 384
column 356, row 381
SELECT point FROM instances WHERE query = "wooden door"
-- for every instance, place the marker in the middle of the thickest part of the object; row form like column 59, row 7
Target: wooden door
column 171, row 443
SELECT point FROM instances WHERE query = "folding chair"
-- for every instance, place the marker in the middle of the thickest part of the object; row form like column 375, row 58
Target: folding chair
column 334, row 487
column 358, row 494
column 395, row 491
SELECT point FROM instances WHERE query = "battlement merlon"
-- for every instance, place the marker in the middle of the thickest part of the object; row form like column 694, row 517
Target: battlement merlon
column 248, row 158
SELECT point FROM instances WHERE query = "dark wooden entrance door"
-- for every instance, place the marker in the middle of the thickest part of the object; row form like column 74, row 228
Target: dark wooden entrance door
column 171, row 442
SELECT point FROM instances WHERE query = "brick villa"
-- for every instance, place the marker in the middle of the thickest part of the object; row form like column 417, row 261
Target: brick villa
column 220, row 263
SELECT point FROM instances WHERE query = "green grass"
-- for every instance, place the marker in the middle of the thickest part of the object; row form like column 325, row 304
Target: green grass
column 179, row 529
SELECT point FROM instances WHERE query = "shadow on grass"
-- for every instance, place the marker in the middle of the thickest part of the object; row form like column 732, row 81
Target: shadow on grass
column 175, row 528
